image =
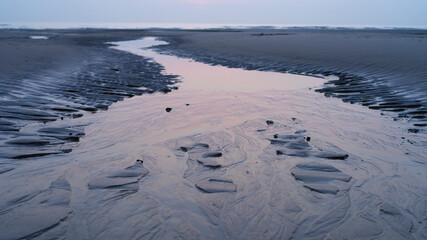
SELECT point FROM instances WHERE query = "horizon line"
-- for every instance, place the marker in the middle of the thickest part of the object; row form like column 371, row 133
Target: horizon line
column 192, row 26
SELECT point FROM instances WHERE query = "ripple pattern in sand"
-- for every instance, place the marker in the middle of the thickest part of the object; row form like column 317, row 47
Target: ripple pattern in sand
column 30, row 105
column 369, row 86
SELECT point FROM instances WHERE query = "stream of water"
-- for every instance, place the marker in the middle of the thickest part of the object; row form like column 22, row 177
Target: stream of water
column 302, row 165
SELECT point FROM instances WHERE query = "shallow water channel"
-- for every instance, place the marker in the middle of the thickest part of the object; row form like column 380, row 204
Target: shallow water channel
column 241, row 155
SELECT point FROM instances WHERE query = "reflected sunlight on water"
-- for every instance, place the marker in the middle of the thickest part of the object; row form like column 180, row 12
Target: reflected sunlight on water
column 200, row 76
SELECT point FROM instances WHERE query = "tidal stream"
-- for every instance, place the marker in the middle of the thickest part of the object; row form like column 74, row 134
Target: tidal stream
column 240, row 155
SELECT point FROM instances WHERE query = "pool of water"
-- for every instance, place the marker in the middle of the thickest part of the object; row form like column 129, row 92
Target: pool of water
column 200, row 76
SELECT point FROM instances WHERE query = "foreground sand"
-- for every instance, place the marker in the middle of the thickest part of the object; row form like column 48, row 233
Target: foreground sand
column 221, row 164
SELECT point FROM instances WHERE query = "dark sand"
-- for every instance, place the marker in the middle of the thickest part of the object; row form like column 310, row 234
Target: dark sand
column 272, row 164
column 66, row 76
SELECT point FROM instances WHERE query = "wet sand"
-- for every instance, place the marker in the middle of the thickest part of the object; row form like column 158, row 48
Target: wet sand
column 67, row 75
column 206, row 161
column 380, row 69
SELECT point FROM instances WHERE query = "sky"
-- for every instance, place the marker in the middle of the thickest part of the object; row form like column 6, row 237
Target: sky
column 397, row 13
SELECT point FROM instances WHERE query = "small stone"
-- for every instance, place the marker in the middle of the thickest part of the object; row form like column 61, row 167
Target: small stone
column 413, row 130
column 269, row 122
column 66, row 150
column 168, row 109
column 308, row 139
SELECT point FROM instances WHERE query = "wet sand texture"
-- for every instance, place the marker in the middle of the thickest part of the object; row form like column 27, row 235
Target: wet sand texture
column 258, row 198
column 36, row 213
column 124, row 178
column 220, row 165
column 380, row 69
column 66, row 76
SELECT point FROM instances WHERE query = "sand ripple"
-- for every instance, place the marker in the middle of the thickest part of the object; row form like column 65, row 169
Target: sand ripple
column 59, row 94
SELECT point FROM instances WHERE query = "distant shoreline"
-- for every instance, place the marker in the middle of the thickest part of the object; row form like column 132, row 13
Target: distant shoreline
column 191, row 26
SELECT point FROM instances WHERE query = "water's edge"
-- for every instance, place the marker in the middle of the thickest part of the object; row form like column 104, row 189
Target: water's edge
column 361, row 88
column 212, row 162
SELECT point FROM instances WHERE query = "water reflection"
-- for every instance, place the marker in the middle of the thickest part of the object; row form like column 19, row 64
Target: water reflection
column 200, row 76
column 226, row 109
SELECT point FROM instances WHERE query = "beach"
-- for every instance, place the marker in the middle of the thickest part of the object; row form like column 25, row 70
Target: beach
column 65, row 76
column 381, row 69
column 213, row 134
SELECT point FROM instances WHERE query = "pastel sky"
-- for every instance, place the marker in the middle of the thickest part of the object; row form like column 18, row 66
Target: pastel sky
column 288, row 12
